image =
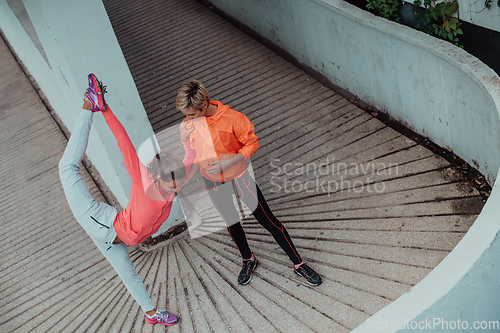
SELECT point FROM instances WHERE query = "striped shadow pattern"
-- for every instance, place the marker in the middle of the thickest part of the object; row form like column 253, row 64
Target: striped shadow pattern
column 369, row 208
column 372, row 211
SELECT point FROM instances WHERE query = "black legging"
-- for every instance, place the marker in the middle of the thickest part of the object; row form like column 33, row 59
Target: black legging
column 244, row 187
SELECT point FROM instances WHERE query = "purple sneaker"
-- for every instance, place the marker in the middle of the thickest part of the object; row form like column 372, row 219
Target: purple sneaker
column 162, row 317
column 95, row 94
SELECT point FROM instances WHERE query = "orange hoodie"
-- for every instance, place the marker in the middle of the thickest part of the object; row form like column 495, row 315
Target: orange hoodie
column 221, row 137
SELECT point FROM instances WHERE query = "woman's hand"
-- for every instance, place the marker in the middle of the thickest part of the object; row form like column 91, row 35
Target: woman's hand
column 217, row 167
column 186, row 130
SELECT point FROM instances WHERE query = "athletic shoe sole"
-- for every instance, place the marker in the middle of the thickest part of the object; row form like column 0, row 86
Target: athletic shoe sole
column 156, row 322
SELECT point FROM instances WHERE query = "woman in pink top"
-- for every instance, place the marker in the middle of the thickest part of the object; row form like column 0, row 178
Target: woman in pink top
column 150, row 201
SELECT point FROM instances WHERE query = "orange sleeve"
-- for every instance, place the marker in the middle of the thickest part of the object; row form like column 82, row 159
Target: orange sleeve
column 244, row 133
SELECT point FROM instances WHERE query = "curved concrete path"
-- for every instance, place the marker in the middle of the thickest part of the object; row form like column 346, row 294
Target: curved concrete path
column 400, row 212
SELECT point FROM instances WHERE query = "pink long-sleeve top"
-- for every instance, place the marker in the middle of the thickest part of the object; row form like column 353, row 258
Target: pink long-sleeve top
column 147, row 208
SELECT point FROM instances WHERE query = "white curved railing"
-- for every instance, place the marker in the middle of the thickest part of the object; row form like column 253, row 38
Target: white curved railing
column 433, row 87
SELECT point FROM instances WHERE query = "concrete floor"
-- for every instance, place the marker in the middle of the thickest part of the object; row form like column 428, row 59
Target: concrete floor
column 397, row 210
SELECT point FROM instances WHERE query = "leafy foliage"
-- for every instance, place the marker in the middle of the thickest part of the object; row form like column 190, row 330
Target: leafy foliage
column 439, row 18
column 440, row 15
column 386, row 8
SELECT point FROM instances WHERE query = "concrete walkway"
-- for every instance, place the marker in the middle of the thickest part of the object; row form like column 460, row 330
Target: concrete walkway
column 392, row 212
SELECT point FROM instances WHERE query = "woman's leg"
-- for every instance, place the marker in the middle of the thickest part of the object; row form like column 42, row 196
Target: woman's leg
column 221, row 196
column 95, row 217
column 119, row 258
column 251, row 195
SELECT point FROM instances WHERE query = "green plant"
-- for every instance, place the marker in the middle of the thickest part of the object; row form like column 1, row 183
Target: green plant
column 442, row 22
column 387, row 8
column 417, row 18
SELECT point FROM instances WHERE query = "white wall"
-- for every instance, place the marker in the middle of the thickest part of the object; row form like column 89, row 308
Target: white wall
column 473, row 11
column 78, row 39
column 461, row 291
column 435, row 88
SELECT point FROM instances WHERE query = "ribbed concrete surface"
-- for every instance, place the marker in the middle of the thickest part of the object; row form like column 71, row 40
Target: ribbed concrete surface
column 370, row 246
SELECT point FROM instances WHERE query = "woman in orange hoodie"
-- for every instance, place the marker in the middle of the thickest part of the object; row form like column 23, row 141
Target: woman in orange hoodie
column 223, row 140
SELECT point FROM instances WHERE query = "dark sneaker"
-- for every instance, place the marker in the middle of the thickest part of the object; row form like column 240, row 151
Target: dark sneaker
column 95, row 94
column 162, row 317
column 246, row 271
column 309, row 274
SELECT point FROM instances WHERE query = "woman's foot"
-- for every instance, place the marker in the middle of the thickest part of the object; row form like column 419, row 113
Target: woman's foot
column 308, row 273
column 162, row 317
column 246, row 271
column 95, row 94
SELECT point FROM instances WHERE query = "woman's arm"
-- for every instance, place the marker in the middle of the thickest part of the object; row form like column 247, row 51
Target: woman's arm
column 190, row 154
column 192, row 171
column 217, row 167
column 243, row 130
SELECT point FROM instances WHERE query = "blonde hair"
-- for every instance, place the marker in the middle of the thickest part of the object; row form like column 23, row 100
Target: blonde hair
column 168, row 166
column 192, row 94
